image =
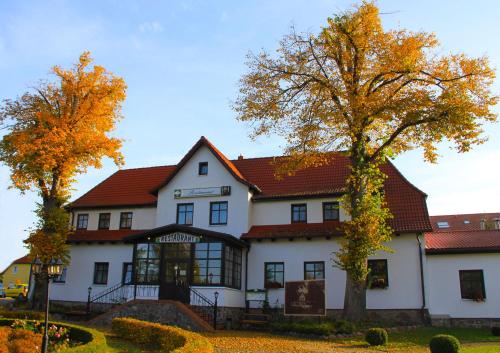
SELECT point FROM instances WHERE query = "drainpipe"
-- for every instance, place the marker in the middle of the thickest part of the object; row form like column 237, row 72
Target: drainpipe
column 246, row 277
column 421, row 273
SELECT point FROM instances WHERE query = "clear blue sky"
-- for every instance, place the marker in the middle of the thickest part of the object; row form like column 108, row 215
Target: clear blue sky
column 182, row 60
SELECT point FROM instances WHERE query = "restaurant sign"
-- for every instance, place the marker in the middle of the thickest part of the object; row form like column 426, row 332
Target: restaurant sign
column 178, row 237
column 202, row 192
column 305, row 298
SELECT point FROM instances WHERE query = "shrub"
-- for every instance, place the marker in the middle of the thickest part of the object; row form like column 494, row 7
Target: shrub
column 24, row 315
column 495, row 330
column 344, row 327
column 304, row 327
column 444, row 344
column 376, row 337
column 162, row 337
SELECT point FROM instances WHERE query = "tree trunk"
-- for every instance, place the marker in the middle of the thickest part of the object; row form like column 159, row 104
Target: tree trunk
column 354, row 300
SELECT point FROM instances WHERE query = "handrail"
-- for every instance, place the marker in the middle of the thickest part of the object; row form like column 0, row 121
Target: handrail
column 202, row 306
column 107, row 291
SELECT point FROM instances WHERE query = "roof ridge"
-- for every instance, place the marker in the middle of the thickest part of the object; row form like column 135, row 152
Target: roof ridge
column 464, row 214
column 151, row 167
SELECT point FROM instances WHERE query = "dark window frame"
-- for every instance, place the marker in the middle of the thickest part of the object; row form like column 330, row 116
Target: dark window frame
column 125, row 271
column 192, row 213
column 472, row 296
column 62, row 277
column 99, row 224
column 149, row 262
column 296, row 205
column 209, row 260
column 331, row 203
column 105, row 271
column 372, row 285
column 122, row 214
column 82, row 215
column 266, row 283
column 315, row 271
column 219, row 223
column 203, row 168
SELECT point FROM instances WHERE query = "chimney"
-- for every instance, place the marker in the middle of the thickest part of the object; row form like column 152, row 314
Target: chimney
column 240, row 157
column 483, row 224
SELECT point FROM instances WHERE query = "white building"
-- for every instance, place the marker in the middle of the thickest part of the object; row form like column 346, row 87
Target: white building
column 210, row 224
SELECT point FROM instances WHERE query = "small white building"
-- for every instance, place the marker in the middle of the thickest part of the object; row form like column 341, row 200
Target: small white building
column 210, row 224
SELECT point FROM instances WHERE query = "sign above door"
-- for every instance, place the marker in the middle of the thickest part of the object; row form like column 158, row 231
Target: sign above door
column 178, row 237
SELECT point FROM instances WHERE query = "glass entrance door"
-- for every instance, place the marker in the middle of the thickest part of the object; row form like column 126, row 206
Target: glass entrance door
column 176, row 272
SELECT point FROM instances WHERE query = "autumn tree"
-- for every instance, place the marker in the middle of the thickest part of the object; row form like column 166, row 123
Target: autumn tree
column 374, row 93
column 54, row 132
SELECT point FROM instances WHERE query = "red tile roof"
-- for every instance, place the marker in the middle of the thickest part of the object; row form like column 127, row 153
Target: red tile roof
column 25, row 260
column 83, row 236
column 295, row 230
column 128, row 187
column 462, row 221
column 462, row 242
column 133, row 186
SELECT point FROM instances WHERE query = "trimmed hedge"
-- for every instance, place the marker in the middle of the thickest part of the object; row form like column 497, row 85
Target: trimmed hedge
column 376, row 336
column 444, row 344
column 163, row 337
column 314, row 328
column 495, row 330
column 22, row 315
column 93, row 340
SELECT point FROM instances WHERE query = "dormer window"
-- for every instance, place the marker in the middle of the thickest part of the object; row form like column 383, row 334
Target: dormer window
column 443, row 224
column 203, row 168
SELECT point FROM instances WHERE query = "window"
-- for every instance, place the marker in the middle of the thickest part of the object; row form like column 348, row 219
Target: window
column 14, row 270
column 104, row 220
column 472, row 285
column 378, row 276
column 314, row 270
column 147, row 263
column 207, row 263
column 218, row 213
column 232, row 268
column 185, row 213
column 125, row 220
column 299, row 213
column 443, row 224
column 203, row 168
column 101, row 272
column 62, row 277
column 82, row 221
column 330, row 211
column 274, row 274
column 127, row 273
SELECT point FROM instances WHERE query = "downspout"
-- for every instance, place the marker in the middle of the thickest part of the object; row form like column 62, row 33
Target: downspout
column 246, row 277
column 422, row 282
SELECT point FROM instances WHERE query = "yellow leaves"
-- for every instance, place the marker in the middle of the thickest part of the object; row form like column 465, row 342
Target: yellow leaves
column 64, row 127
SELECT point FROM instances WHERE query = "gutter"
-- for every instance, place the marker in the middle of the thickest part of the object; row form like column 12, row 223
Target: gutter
column 419, row 241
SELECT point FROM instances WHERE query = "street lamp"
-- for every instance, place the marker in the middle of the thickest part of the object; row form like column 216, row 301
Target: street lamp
column 52, row 269
column 216, row 297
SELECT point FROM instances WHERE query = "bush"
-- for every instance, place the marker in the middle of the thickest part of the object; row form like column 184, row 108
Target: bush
column 305, row 327
column 162, row 337
column 495, row 330
column 343, row 327
column 92, row 341
column 23, row 315
column 444, row 344
column 376, row 337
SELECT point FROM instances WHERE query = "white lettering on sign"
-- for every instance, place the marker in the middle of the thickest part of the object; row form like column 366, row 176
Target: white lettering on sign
column 202, row 192
column 178, row 237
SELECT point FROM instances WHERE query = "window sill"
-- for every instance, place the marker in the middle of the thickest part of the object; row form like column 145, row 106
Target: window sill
column 474, row 300
column 217, row 225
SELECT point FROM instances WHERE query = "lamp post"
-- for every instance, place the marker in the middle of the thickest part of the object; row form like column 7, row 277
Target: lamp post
column 216, row 295
column 52, row 269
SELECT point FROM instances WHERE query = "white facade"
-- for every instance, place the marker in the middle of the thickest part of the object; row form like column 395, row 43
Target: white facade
column 142, row 217
column 444, row 285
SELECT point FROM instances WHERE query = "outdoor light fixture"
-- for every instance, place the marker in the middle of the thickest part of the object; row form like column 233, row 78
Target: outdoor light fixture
column 47, row 271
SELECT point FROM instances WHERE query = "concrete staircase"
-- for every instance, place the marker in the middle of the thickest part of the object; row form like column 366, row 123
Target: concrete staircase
column 169, row 312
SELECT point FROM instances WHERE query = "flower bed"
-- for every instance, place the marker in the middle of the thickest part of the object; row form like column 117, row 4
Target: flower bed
column 70, row 338
column 162, row 337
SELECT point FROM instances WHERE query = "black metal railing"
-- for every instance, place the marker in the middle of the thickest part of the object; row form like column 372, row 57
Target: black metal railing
column 204, row 307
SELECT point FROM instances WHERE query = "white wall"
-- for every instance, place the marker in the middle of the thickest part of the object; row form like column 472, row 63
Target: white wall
column 404, row 291
column 444, row 285
column 80, row 273
column 142, row 217
column 187, row 178
column 279, row 212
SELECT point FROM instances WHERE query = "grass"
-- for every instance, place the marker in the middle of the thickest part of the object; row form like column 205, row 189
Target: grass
column 117, row 345
column 473, row 340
